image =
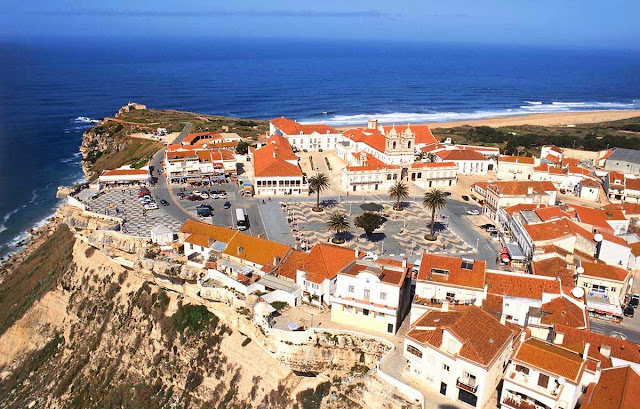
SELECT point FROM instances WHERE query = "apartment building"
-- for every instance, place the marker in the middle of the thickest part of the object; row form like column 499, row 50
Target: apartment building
column 276, row 169
column 372, row 295
column 305, row 137
column 515, row 168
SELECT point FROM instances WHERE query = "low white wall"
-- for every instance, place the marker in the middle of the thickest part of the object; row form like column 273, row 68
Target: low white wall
column 227, row 281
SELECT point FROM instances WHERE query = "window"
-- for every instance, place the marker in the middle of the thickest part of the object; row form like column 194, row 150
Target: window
column 522, row 369
column 543, row 380
column 367, row 294
column 414, row 351
column 365, row 312
column 451, row 296
column 446, row 367
column 351, row 288
column 471, row 379
column 439, row 271
column 383, row 296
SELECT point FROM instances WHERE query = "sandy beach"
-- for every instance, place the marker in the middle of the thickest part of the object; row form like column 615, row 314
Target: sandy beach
column 546, row 119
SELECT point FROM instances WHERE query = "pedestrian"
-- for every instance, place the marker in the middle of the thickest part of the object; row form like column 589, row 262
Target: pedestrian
column 269, row 198
column 263, row 201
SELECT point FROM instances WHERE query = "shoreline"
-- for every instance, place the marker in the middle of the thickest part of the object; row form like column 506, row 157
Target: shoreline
column 537, row 119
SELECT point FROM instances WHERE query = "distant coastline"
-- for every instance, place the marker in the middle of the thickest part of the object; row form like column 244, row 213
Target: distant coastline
column 540, row 119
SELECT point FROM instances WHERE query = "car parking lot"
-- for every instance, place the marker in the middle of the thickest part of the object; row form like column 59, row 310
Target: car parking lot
column 126, row 204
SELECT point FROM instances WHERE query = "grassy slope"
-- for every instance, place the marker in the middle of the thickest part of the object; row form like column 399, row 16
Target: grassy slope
column 135, row 151
column 35, row 277
column 529, row 138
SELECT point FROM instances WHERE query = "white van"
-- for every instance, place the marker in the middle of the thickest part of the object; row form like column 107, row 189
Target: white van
column 242, row 222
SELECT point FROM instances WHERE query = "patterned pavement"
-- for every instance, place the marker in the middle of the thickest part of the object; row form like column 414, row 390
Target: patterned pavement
column 402, row 233
column 136, row 223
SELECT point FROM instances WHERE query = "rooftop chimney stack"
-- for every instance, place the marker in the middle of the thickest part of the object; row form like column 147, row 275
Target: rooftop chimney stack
column 357, row 252
column 585, row 355
column 605, row 350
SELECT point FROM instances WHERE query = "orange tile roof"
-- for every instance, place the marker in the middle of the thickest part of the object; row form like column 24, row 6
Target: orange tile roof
column 457, row 276
column 423, row 133
column 461, row 154
column 579, row 170
column 256, row 250
column 550, row 213
column 482, row 336
column 617, row 388
column 126, row 172
column 569, row 162
column 521, row 285
column 272, row 159
column 325, row 261
column 521, row 206
column 386, row 275
column 598, row 217
column 613, row 176
column 601, row 270
column 550, row 358
column 290, row 127
column 553, row 148
column 590, row 183
column 182, row 154
column 631, row 208
column 554, row 267
column 556, row 229
column 632, row 184
column 574, row 338
column 198, row 239
column 493, row 304
column 214, row 232
column 525, row 160
column 520, row 187
column 614, row 239
column 562, row 311
column 635, row 248
column 291, row 264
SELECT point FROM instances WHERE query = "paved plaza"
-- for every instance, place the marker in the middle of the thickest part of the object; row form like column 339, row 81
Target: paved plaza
column 402, row 233
column 123, row 203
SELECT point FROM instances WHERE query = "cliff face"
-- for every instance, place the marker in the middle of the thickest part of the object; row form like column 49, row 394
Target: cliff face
column 95, row 334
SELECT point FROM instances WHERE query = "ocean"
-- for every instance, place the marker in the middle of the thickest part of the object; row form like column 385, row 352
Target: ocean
column 53, row 90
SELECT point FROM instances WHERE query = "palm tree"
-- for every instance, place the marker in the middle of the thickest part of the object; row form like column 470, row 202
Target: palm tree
column 318, row 183
column 399, row 191
column 434, row 200
column 338, row 223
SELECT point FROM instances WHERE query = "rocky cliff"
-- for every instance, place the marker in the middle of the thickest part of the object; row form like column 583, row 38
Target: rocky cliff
column 81, row 331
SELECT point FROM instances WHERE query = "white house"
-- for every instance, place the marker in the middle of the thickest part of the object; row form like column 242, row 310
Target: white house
column 460, row 353
column 276, row 169
column 515, row 167
column 469, row 161
column 372, row 295
column 309, row 137
column 124, row 176
column 542, row 375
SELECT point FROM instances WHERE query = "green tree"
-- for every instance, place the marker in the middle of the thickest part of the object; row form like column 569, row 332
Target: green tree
column 434, row 200
column 399, row 191
column 368, row 222
column 338, row 223
column 318, row 183
column 242, row 148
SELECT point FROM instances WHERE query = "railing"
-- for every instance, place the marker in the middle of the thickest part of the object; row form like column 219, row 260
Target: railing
column 468, row 385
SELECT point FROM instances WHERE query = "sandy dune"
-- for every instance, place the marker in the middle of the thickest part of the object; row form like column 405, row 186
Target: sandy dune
column 548, row 119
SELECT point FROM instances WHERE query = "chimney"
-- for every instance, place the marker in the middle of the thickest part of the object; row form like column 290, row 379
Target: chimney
column 274, row 154
column 276, row 261
column 585, row 355
column 523, row 336
column 503, row 319
column 373, row 124
column 445, row 306
column 559, row 338
column 530, row 190
column 404, row 262
column 240, row 250
column 605, row 350
column 357, row 251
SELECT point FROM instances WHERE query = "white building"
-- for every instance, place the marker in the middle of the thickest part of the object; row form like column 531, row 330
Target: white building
column 469, row 162
column 541, row 375
column 276, row 169
column 124, row 176
column 461, row 352
column 372, row 295
column 305, row 137
column 515, row 168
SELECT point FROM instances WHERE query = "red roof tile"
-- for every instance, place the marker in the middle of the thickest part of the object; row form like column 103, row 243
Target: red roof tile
column 550, row 358
column 325, row 261
column 290, row 127
column 525, row 160
column 617, row 388
column 461, row 154
column 601, row 270
column 456, row 275
column 521, row 285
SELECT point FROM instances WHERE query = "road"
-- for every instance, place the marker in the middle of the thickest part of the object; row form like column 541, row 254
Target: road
column 606, row 328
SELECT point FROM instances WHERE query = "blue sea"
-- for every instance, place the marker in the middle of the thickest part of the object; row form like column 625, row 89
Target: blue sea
column 53, row 89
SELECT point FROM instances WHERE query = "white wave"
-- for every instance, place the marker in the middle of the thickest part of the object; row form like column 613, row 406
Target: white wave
column 86, row 120
column 416, row 117
column 73, row 158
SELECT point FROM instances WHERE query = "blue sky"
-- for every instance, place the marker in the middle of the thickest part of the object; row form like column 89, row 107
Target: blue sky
column 582, row 23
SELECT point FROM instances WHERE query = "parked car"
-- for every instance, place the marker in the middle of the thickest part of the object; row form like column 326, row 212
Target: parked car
column 473, row 212
column 491, row 229
column 150, row 206
column 635, row 299
column 203, row 212
column 628, row 311
column 194, row 198
column 465, row 198
column 204, row 206
column 487, row 226
column 447, row 193
column 227, row 205
column 204, row 195
column 320, row 150
column 164, row 202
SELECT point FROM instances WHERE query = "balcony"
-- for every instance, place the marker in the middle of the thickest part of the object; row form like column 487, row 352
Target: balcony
column 468, row 385
column 519, row 401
